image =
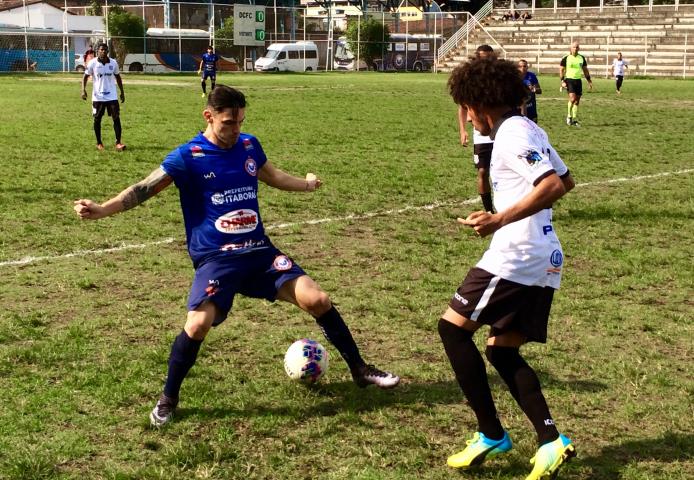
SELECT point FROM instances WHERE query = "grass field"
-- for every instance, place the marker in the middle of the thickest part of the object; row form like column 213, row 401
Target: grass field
column 85, row 331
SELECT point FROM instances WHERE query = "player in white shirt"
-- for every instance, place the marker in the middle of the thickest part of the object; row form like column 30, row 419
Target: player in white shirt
column 512, row 286
column 618, row 66
column 105, row 75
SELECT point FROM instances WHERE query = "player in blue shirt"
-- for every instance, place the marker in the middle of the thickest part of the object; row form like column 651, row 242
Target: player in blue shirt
column 217, row 175
column 529, row 108
column 208, row 68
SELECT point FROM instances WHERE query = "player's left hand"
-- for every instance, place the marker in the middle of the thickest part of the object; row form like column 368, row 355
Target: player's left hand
column 122, row 97
column 313, row 183
column 590, row 86
column 484, row 223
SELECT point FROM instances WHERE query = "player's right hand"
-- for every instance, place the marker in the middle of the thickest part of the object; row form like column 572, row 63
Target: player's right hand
column 84, row 95
column 313, row 183
column 88, row 210
column 463, row 138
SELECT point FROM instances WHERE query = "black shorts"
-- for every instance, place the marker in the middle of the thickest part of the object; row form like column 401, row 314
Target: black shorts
column 574, row 86
column 504, row 305
column 112, row 107
column 482, row 155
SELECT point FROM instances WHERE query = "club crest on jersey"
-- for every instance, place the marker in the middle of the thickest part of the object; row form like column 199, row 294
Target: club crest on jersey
column 247, row 144
column 212, row 287
column 532, row 157
column 197, row 152
column 282, row 263
column 556, row 259
column 238, row 221
column 251, row 166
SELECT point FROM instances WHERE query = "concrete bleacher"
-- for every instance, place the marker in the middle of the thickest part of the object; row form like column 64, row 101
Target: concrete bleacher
column 656, row 43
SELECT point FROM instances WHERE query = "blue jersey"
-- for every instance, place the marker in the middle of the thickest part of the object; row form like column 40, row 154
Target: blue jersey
column 531, row 102
column 218, row 189
column 209, row 62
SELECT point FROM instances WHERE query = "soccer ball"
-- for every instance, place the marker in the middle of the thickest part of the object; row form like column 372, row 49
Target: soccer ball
column 306, row 361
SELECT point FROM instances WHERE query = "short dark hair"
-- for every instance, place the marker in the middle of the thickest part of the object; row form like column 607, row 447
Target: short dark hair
column 487, row 82
column 102, row 45
column 222, row 97
column 209, row 47
column 484, row 48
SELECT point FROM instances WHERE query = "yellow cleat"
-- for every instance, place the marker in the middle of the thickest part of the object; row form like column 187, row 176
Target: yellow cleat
column 550, row 457
column 478, row 449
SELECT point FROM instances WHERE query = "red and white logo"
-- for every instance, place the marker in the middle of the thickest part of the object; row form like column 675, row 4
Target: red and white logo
column 251, row 166
column 238, row 221
column 197, row 152
column 247, row 144
column 282, row 263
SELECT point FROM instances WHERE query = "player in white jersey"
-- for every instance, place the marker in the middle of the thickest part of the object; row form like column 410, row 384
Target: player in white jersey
column 105, row 75
column 482, row 144
column 512, row 286
column 618, row 66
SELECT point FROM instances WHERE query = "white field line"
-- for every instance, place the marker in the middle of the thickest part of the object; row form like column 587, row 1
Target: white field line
column 382, row 213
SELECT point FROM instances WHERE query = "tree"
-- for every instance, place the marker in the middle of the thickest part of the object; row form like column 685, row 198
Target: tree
column 224, row 35
column 370, row 36
column 94, row 8
column 127, row 32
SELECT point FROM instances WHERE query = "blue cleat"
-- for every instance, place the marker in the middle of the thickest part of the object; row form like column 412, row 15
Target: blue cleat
column 478, row 449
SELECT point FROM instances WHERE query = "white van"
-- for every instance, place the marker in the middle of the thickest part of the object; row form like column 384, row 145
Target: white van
column 289, row 57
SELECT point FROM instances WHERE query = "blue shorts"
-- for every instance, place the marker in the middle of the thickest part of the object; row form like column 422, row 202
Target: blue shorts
column 257, row 274
column 211, row 74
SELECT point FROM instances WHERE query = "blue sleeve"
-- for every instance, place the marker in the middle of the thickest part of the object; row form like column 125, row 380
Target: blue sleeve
column 260, row 158
column 175, row 166
column 534, row 79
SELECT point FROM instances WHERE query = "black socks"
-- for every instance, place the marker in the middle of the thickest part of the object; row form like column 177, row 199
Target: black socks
column 184, row 352
column 337, row 333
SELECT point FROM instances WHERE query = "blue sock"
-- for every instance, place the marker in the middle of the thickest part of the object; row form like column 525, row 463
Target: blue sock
column 184, row 351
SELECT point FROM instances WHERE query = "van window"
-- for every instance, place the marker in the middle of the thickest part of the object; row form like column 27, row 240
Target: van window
column 282, row 56
column 311, row 54
column 294, row 55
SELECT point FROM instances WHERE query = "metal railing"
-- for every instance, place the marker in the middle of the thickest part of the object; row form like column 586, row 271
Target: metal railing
column 463, row 32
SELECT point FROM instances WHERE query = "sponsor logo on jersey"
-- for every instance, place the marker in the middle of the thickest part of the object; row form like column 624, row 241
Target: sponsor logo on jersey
column 234, row 195
column 251, row 166
column 282, row 263
column 556, row 259
column 197, row 152
column 230, row 247
column 209, row 176
column 532, row 157
column 238, row 221
column 247, row 144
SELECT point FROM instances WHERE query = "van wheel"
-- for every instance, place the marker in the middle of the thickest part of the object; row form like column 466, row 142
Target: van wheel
column 276, row 69
column 135, row 67
column 309, row 69
column 418, row 67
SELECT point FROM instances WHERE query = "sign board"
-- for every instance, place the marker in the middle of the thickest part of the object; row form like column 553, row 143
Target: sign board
column 410, row 14
column 249, row 25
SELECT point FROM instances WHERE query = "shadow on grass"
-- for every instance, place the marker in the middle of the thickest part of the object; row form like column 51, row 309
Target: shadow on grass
column 609, row 463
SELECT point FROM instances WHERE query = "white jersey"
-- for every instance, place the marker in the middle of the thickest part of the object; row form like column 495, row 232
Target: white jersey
column 103, row 79
column 527, row 251
column 478, row 138
column 618, row 67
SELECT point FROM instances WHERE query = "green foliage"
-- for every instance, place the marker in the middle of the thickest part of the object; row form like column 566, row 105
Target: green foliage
column 94, row 8
column 224, row 35
column 370, row 37
column 85, row 337
column 127, row 32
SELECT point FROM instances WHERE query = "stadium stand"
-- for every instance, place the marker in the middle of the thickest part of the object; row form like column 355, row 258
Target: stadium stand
column 656, row 43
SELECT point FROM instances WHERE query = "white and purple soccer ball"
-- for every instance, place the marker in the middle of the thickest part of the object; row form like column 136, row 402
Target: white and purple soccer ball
column 306, row 361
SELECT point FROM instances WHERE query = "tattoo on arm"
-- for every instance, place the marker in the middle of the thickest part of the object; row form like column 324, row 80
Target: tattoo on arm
column 136, row 194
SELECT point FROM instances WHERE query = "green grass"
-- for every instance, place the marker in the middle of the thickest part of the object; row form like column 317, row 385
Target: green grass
column 84, row 339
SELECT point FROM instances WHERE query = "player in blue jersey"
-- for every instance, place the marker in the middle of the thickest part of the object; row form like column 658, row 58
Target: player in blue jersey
column 529, row 108
column 217, row 175
column 208, row 68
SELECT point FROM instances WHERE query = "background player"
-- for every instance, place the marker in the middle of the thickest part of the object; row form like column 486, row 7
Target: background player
column 105, row 75
column 482, row 144
column 529, row 107
column 570, row 69
column 217, row 174
column 512, row 286
column 618, row 66
column 208, row 67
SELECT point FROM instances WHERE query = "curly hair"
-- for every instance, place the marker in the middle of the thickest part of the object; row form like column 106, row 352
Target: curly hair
column 487, row 82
